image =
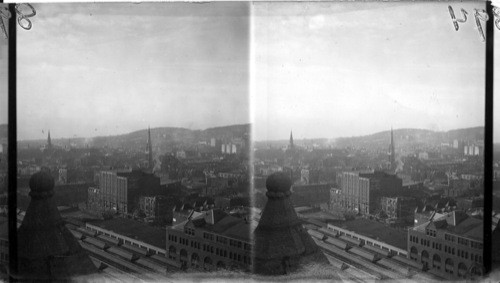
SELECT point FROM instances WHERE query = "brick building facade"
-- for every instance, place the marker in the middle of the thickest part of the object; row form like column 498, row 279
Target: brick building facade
column 211, row 240
column 450, row 245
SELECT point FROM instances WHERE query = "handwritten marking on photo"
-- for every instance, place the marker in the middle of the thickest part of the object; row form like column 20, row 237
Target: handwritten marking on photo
column 22, row 19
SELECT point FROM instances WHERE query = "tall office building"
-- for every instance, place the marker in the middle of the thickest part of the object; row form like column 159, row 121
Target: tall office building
column 362, row 191
column 120, row 191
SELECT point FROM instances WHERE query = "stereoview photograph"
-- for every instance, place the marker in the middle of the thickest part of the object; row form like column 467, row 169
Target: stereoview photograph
column 247, row 141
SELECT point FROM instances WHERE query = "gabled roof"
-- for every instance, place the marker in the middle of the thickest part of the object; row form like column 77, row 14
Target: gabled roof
column 456, row 222
column 440, row 224
column 471, row 228
column 455, row 217
column 223, row 224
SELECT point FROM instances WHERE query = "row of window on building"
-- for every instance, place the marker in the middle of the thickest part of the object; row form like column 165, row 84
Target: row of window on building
column 172, row 238
column 224, row 241
column 463, row 241
column 447, row 237
column 447, row 249
column 189, row 231
column 430, row 232
column 210, row 249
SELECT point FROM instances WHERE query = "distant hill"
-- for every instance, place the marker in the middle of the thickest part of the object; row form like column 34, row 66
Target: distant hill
column 162, row 138
column 284, row 143
column 413, row 136
column 171, row 135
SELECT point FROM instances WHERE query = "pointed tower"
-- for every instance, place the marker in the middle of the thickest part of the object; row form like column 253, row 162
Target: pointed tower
column 150, row 151
column 49, row 141
column 290, row 146
column 47, row 250
column 282, row 244
column 392, row 158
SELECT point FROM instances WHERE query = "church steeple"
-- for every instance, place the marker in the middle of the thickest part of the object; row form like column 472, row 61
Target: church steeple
column 290, row 146
column 49, row 142
column 150, row 150
column 392, row 153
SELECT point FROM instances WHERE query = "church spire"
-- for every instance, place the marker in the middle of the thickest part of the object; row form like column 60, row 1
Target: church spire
column 392, row 153
column 150, row 150
column 49, row 142
column 291, row 140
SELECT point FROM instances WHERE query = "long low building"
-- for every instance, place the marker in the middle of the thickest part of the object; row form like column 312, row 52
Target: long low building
column 374, row 234
column 133, row 233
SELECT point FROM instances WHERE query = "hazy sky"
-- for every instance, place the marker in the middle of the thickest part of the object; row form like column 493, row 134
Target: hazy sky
column 321, row 69
column 101, row 69
column 344, row 69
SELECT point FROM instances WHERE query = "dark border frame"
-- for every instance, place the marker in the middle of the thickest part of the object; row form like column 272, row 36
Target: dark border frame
column 488, row 141
column 12, row 140
column 12, row 152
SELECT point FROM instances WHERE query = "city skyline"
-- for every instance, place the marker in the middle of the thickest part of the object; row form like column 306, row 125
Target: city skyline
column 46, row 132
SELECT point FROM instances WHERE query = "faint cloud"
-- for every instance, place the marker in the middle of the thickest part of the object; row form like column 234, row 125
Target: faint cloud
column 317, row 22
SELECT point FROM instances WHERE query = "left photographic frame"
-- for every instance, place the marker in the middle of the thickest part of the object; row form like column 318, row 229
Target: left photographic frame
column 133, row 127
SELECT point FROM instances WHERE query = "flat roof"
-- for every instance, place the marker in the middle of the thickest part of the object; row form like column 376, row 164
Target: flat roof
column 225, row 225
column 377, row 231
column 323, row 216
column 469, row 227
column 135, row 230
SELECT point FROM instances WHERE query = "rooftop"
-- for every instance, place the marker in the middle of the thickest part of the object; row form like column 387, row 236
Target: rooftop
column 377, row 231
column 223, row 224
column 457, row 223
column 310, row 186
column 135, row 230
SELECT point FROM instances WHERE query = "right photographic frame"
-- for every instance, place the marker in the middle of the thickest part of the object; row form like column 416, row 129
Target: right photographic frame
column 373, row 115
